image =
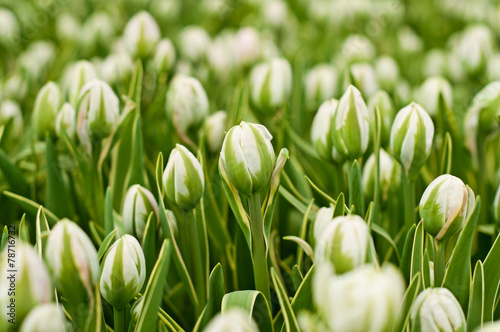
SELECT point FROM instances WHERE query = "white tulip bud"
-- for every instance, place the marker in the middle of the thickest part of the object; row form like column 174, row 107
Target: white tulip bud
column 437, row 309
column 67, row 27
column 117, row 68
column 409, row 41
column 37, row 59
column 215, row 127
column 9, row 27
column 365, row 299
column 98, row 30
column 141, row 35
column 387, row 72
column 432, row 93
column 363, row 76
column 489, row 327
column 475, row 48
column 323, row 219
column 321, row 129
column 47, row 104
column 10, row 111
column 194, row 43
column 383, row 102
column 357, row 48
column 271, row 84
column 320, row 84
column 435, row 63
column 221, row 56
column 247, row 46
column 275, row 13
column 389, row 175
column 232, row 320
column 493, row 69
column 164, row 57
column 66, row 118
column 138, row 205
column 79, row 74
column 45, row 317
column 123, row 272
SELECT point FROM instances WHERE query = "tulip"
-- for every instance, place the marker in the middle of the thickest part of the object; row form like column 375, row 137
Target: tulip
column 363, row 76
column 194, row 42
column 10, row 111
column 387, row 72
column 437, row 309
column 183, row 178
column 248, row 157
column 79, row 74
column 164, row 57
column 388, row 172
column 141, row 35
column 232, row 320
column 247, row 46
column 320, row 84
column 123, row 272
column 489, row 327
column 45, row 317
column 434, row 94
column 47, row 104
column 98, row 31
column 138, row 205
column 475, row 48
column 66, row 119
column 383, row 102
column 117, row 68
column 358, row 48
column 37, row 59
column 215, row 130
column 9, row 27
column 323, row 218
column 221, row 55
column 321, row 129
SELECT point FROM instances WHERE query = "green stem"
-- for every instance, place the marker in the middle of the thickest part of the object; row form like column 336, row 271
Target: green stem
column 98, row 196
column 119, row 319
column 259, row 254
column 409, row 197
column 439, row 263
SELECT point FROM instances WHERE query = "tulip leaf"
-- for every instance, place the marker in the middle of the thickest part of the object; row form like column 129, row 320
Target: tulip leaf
column 136, row 170
column 106, row 243
column 339, row 209
column 405, row 265
column 303, row 234
column 31, row 207
column 135, row 89
column 24, row 234
column 301, row 207
column 302, row 243
column 291, row 324
column 13, row 176
column 108, row 212
column 475, row 313
column 254, row 303
column 302, row 144
column 297, row 277
column 42, row 231
column 446, row 158
column 215, row 295
column 356, row 197
column 153, row 295
column 94, row 320
column 321, row 192
column 149, row 243
column 383, row 233
column 5, row 237
column 426, row 270
column 405, row 308
column 417, row 252
column 458, row 273
column 491, row 277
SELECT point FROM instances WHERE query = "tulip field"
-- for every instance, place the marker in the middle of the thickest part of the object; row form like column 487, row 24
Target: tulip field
column 250, row 165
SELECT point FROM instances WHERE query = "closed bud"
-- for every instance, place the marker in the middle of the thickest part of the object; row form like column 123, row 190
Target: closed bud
column 489, row 327
column 475, row 48
column 320, row 84
column 271, row 84
column 194, row 43
column 247, row 46
column 28, row 287
column 37, row 59
column 183, row 178
column 45, row 317
column 358, row 48
column 232, row 320
column 383, row 102
column 79, row 74
column 11, row 112
column 363, row 76
column 67, row 27
column 141, row 35
column 351, row 125
column 435, row 63
column 123, row 272
column 72, row 262
column 437, row 309
column 387, row 72
column 135, row 310
column 98, row 109
column 411, row 138
column 444, row 206
column 9, row 27
column 323, row 218
column 215, row 127
column 98, row 31
column 409, row 42
column 117, row 68
column 365, row 299
column 321, row 129
column 434, row 94
column 164, row 57
column 47, row 104
column 66, row 118
column 221, row 55
column 187, row 103
column 389, row 175
column 247, row 157
column 138, row 205
column 344, row 243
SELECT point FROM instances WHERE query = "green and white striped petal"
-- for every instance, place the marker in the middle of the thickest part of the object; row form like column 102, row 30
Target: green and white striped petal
column 351, row 125
column 431, row 91
column 321, row 129
column 437, row 310
column 183, row 178
column 47, row 104
column 123, row 271
column 139, row 203
column 411, row 139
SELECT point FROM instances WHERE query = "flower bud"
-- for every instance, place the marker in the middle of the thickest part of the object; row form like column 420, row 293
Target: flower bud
column 247, row 46
column 47, row 104
column 435, row 63
column 37, row 59
column 164, row 57
column 443, row 206
column 141, row 35
column 117, row 68
column 9, row 27
column 66, row 118
column 489, row 327
column 72, row 261
column 27, row 288
column 67, row 28
column 138, row 205
column 10, row 111
column 351, row 125
column 320, row 85
column 411, row 138
column 194, row 42
column 408, row 40
column 363, row 76
column 434, row 91
column 79, row 74
column 321, row 129
column 437, row 309
column 98, row 31
column 220, row 55
column 183, row 178
column 248, row 157
column 387, row 72
column 98, row 109
column 475, row 48
column 357, row 48
column 215, row 127
column 344, row 243
column 383, row 102
column 389, row 175
column 365, row 299
column 271, row 84
column 123, row 272
column 323, row 219
column 45, row 317
column 232, row 320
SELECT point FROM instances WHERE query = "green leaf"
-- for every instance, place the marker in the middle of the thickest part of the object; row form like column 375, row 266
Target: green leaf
column 446, row 157
column 13, row 176
column 302, row 144
column 57, row 194
column 476, row 301
column 302, row 243
column 356, row 197
column 5, row 237
column 426, row 270
column 106, row 243
column 286, row 308
column 405, row 265
column 491, row 277
column 215, row 296
column 458, row 273
column 108, row 212
column 135, row 89
column 296, row 203
column 297, row 277
column 417, row 253
column 321, row 192
column 154, row 291
column 340, row 206
column 23, row 230
column 405, row 309
column 252, row 302
column 31, row 207
column 42, row 231
column 149, row 243
column 383, row 233
column 136, row 171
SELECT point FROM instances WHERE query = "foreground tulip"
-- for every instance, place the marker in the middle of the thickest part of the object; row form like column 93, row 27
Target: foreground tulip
column 351, row 125
column 72, row 262
column 47, row 104
column 232, row 320
column 321, row 129
column 141, row 35
column 138, row 205
column 183, row 178
column 123, row 272
column 364, row 299
column 344, row 243
column 22, row 291
column 489, row 327
column 44, row 318
column 437, row 309
column 248, row 157
column 271, row 84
